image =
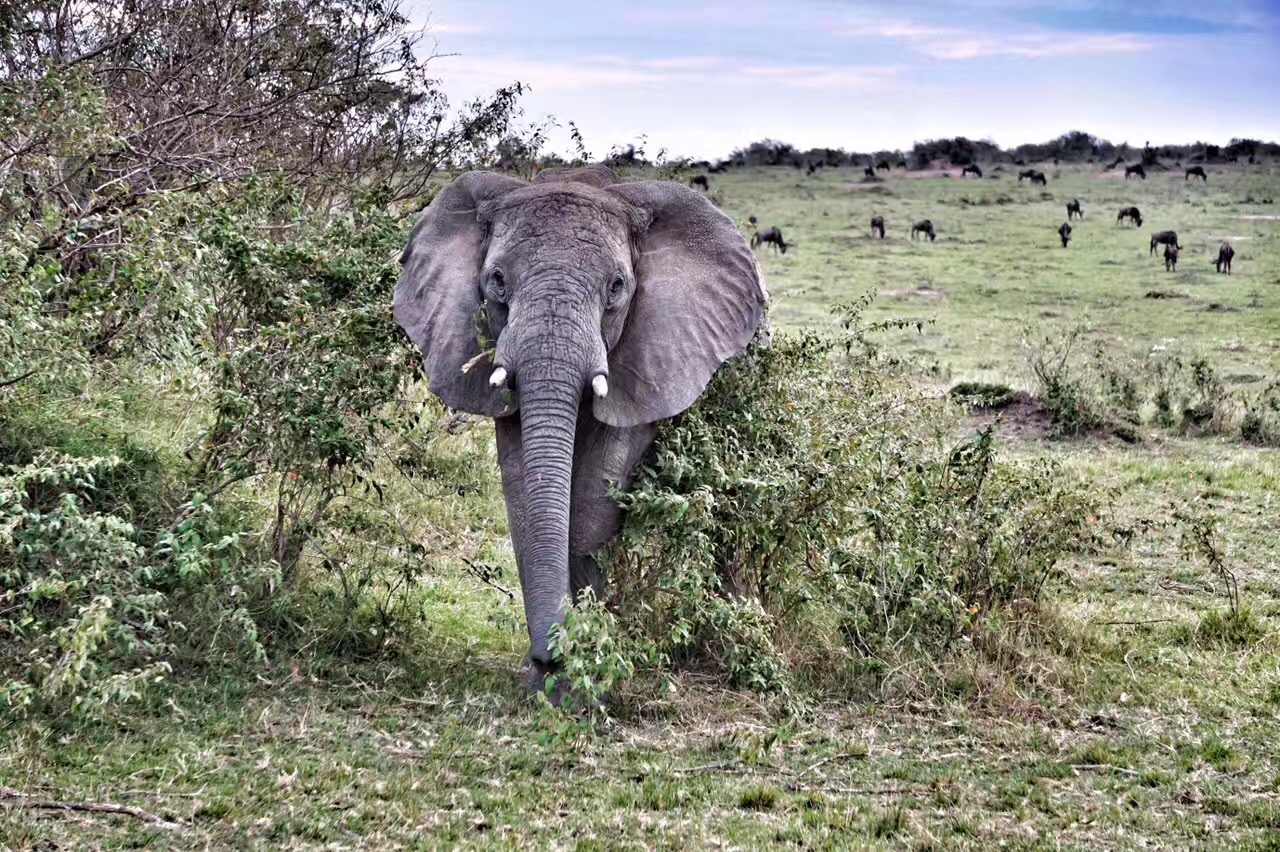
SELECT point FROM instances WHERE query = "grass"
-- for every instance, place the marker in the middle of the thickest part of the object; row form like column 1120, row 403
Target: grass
column 1141, row 720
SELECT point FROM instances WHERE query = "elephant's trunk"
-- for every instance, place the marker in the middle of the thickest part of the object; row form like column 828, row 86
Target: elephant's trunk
column 556, row 356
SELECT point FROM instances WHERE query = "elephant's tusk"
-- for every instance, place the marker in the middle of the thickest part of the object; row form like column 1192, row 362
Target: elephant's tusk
column 601, row 386
column 499, row 378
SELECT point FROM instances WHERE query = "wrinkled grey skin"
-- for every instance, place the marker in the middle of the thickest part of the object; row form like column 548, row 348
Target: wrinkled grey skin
column 646, row 284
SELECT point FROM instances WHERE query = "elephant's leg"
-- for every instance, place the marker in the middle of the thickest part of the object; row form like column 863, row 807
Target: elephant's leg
column 602, row 454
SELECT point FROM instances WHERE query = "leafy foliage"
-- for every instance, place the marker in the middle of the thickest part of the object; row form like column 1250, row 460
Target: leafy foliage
column 810, row 517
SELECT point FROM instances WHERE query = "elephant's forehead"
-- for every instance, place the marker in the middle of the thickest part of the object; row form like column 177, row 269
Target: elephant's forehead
column 561, row 221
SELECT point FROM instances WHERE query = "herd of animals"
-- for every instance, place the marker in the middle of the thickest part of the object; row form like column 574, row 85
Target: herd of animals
column 772, row 236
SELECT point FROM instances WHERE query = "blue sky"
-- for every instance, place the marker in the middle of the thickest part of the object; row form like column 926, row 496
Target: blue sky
column 703, row 78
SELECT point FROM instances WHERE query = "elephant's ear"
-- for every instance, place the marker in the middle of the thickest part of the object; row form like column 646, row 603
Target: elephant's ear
column 438, row 296
column 698, row 300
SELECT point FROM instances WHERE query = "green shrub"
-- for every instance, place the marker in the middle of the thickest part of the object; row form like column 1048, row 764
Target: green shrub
column 1261, row 421
column 810, row 517
column 91, row 615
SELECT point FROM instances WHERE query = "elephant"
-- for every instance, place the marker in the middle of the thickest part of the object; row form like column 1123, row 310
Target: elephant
column 1196, row 171
column 924, row 226
column 1133, row 214
column 598, row 308
column 1065, row 233
column 772, row 236
column 877, row 226
column 1073, row 209
column 971, row 169
column 1170, row 258
column 1136, row 169
column 700, row 181
column 1167, row 238
column 1225, row 254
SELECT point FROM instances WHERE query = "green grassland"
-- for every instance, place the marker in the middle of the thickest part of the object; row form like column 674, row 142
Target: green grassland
column 1134, row 723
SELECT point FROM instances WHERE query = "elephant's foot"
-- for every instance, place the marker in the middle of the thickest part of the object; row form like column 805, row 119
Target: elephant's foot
column 533, row 677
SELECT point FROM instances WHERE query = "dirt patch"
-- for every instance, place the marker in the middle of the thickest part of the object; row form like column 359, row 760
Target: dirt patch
column 926, row 293
column 1022, row 419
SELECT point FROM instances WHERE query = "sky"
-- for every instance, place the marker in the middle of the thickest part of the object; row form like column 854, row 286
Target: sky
column 700, row 79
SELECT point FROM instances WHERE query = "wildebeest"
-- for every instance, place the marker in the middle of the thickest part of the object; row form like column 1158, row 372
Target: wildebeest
column 869, row 172
column 877, row 226
column 1034, row 176
column 1073, row 209
column 1065, row 233
column 813, row 167
column 1118, row 161
column 971, row 169
column 1225, row 253
column 1166, row 238
column 1170, row 258
column 882, row 165
column 1133, row 214
column 1196, row 171
column 902, row 164
column 1019, row 162
column 1135, row 169
column 719, row 168
column 924, row 226
column 772, row 236
column 700, row 180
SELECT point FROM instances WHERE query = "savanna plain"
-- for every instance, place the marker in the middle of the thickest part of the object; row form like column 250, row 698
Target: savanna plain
column 1143, row 712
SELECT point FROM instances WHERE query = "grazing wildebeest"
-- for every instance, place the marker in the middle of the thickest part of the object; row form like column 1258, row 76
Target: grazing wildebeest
column 1166, row 238
column 1133, row 214
column 1136, row 169
column 869, row 172
column 1225, row 253
column 1019, row 162
column 772, row 236
column 877, row 226
column 971, row 169
column 700, row 180
column 883, row 165
column 1170, row 258
column 1065, row 233
column 902, row 164
column 719, row 168
column 1118, row 161
column 813, row 167
column 1034, row 176
column 1196, row 171
column 924, row 226
column 1073, row 209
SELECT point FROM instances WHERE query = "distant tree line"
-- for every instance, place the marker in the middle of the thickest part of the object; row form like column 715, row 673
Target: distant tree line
column 1074, row 147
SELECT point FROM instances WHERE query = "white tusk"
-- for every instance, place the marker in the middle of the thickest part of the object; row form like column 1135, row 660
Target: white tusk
column 601, row 386
column 499, row 378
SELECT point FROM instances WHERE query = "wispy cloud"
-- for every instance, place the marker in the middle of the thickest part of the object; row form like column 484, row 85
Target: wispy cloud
column 607, row 70
column 954, row 43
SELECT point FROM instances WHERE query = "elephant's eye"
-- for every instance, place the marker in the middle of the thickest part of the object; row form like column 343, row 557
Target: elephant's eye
column 497, row 285
column 617, row 287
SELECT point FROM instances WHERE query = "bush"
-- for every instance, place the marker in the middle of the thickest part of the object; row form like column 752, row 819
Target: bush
column 1261, row 421
column 809, row 518
column 91, row 614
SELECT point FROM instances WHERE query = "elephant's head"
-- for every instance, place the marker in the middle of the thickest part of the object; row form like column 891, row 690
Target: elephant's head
column 622, row 296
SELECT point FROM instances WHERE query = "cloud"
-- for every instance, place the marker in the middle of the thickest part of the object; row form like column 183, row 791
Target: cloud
column 953, row 43
column 593, row 72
